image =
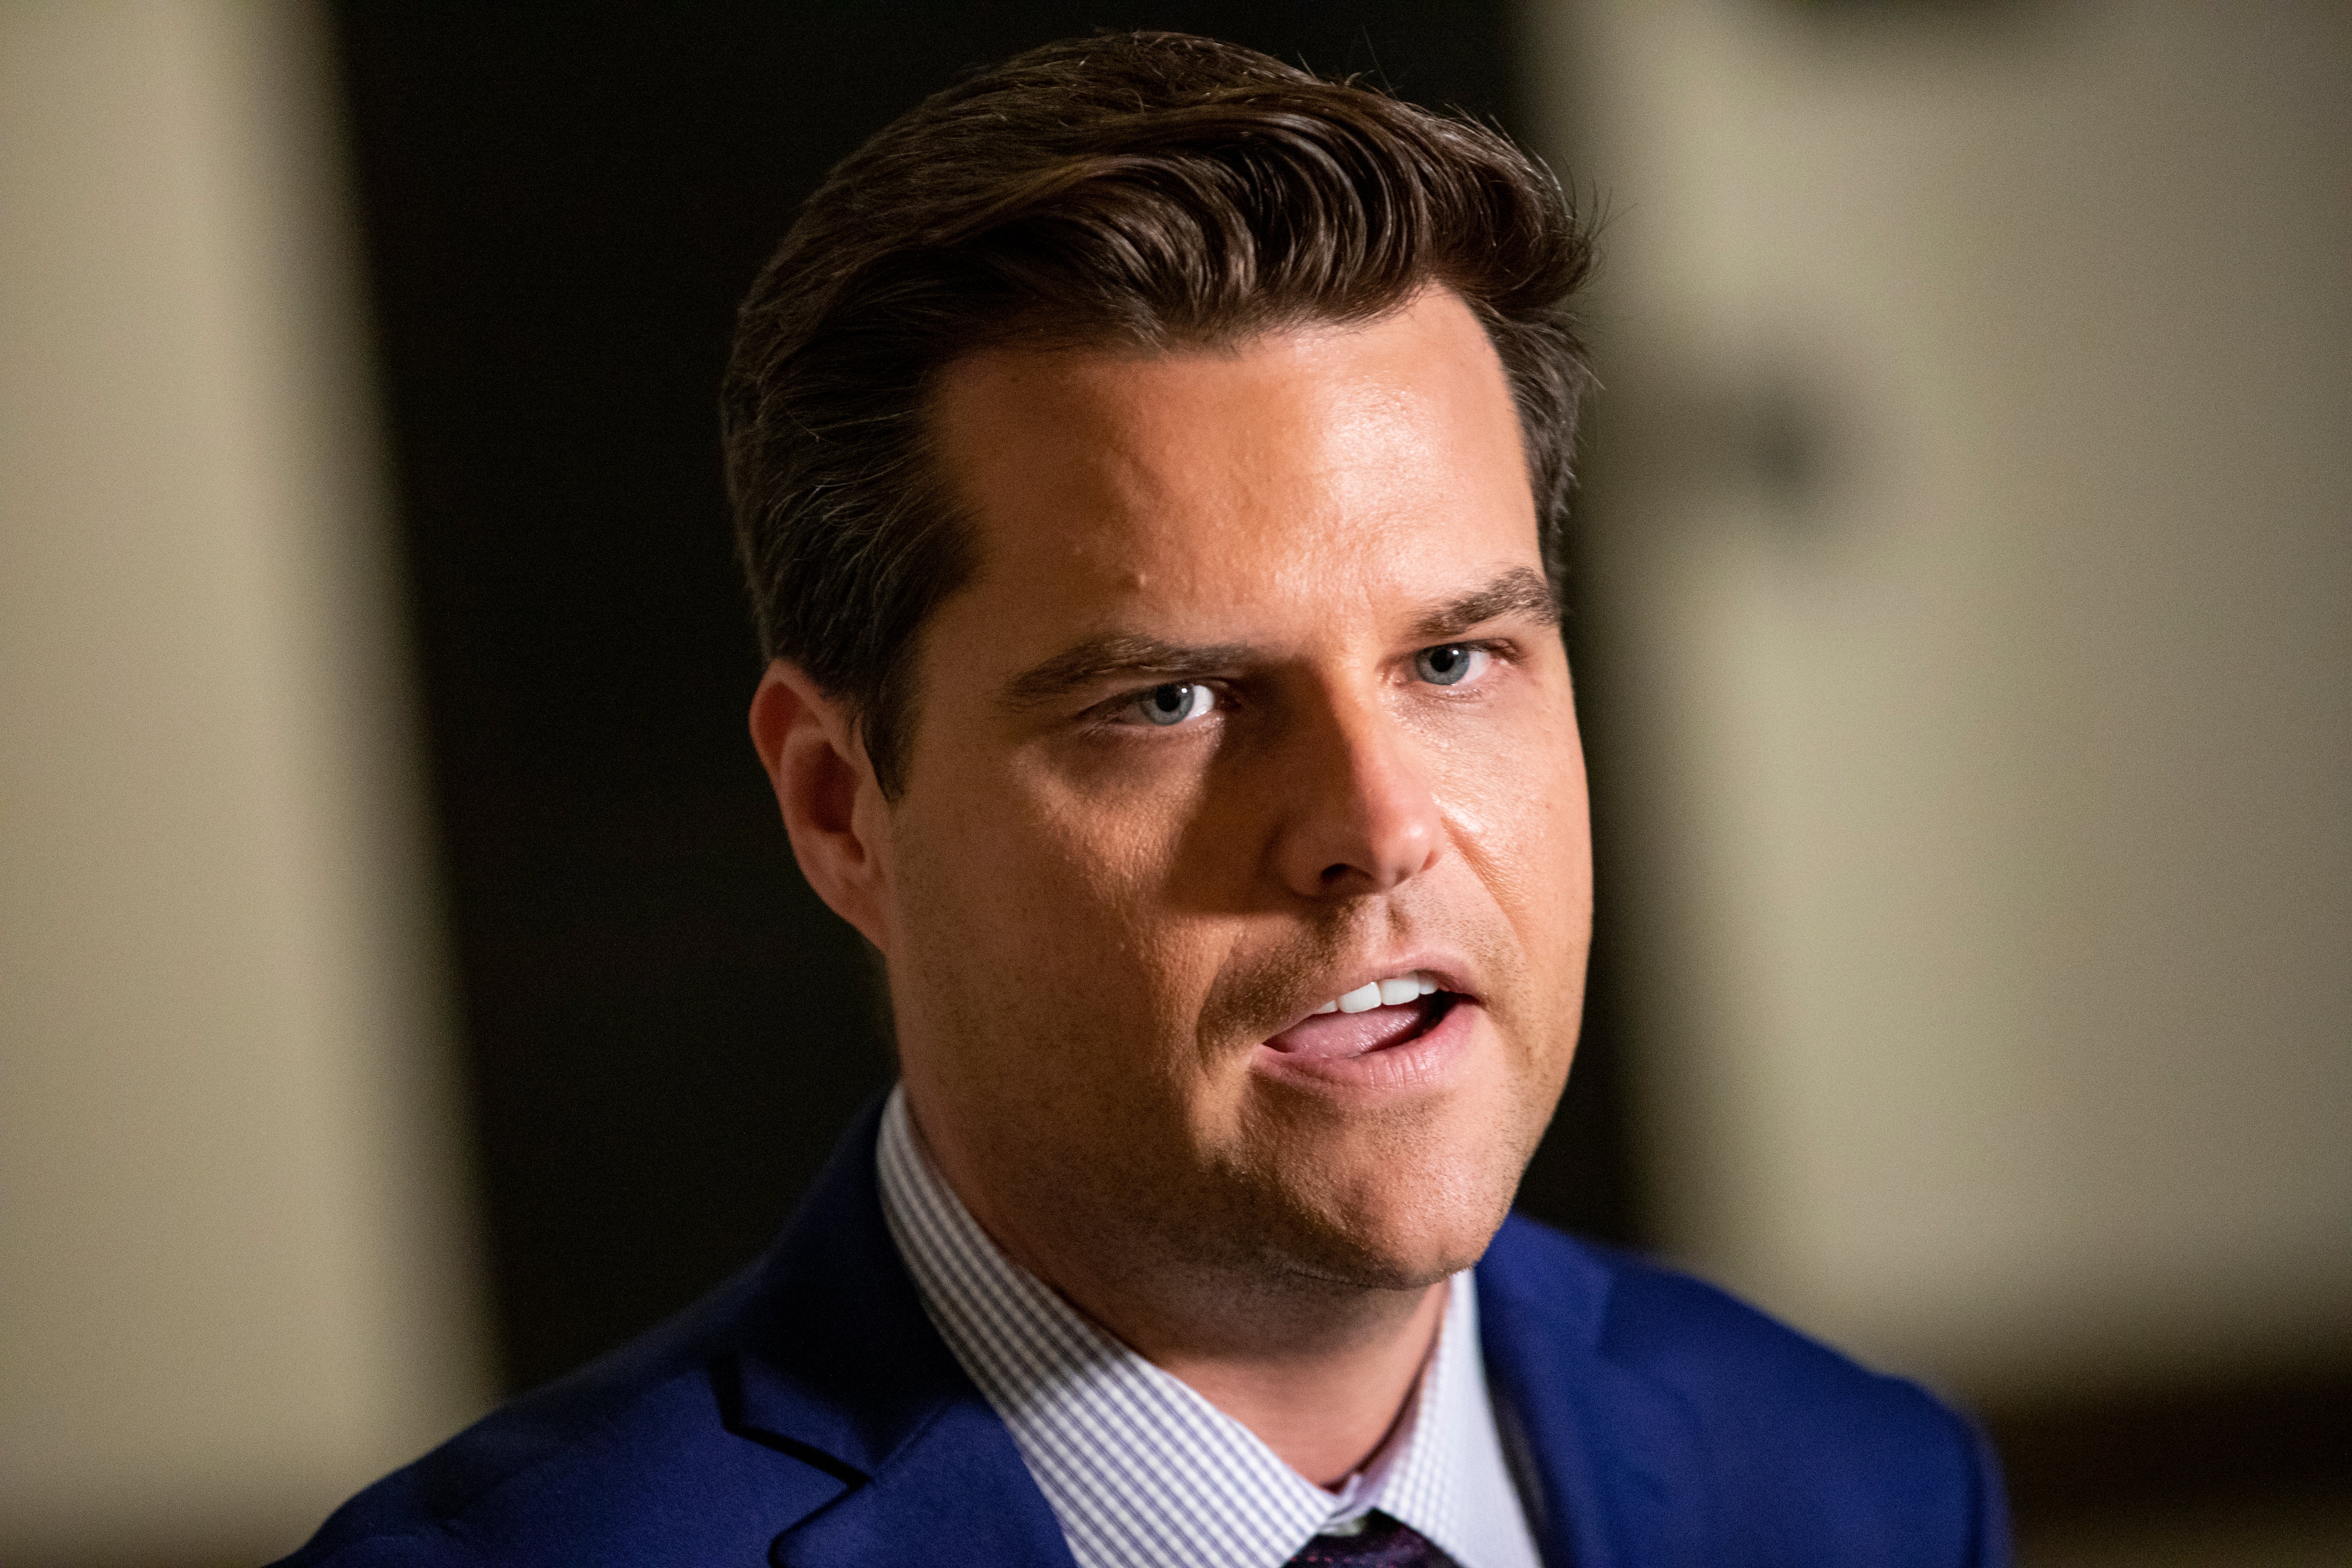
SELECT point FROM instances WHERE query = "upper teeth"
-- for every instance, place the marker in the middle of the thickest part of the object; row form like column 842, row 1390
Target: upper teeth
column 1388, row 993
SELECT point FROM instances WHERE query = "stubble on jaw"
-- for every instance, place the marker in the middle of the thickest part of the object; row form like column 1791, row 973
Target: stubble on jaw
column 1267, row 1247
column 1274, row 1219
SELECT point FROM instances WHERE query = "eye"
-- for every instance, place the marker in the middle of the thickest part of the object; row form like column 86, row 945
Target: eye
column 1450, row 664
column 1171, row 704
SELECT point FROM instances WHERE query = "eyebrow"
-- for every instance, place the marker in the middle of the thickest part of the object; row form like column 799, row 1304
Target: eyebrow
column 1121, row 655
column 1521, row 591
column 1127, row 656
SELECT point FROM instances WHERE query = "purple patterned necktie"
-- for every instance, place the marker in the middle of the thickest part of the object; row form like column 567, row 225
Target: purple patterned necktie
column 1383, row 1543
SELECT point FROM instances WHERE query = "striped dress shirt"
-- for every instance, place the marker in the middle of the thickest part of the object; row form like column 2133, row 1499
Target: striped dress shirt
column 1139, row 1469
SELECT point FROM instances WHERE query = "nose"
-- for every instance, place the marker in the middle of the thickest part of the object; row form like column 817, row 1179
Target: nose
column 1361, row 816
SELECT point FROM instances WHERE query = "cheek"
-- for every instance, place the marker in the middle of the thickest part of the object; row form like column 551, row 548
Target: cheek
column 1118, row 836
column 1517, row 804
column 1519, row 824
column 1062, row 889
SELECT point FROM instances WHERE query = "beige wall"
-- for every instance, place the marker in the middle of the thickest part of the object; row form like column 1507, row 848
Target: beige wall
column 235, row 1274
column 1992, row 782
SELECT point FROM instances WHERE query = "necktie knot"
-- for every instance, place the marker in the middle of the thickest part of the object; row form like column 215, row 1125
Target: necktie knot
column 1382, row 1542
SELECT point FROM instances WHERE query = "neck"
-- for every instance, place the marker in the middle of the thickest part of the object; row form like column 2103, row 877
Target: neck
column 1319, row 1369
column 1324, row 1402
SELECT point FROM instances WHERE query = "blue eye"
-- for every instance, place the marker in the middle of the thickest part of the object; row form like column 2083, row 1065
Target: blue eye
column 1449, row 664
column 1174, row 703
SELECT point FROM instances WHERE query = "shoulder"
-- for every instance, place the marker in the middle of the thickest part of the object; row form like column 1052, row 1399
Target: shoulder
column 1795, row 1440
column 630, row 1459
column 1697, row 1338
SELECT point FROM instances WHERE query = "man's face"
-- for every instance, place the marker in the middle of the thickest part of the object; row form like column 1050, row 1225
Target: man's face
column 1255, row 700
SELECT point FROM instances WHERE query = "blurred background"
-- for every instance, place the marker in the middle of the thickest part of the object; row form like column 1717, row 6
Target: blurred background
column 406, row 989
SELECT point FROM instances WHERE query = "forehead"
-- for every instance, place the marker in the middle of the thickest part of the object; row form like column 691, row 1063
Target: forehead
column 1319, row 460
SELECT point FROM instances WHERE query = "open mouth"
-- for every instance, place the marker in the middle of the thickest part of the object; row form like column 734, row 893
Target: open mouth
column 1334, row 1036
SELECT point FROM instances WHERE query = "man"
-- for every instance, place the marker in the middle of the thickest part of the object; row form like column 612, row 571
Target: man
column 1149, row 462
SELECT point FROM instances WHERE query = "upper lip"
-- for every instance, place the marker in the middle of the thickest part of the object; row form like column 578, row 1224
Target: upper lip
column 1446, row 969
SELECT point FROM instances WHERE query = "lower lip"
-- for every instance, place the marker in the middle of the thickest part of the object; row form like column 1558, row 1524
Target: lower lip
column 1419, row 1061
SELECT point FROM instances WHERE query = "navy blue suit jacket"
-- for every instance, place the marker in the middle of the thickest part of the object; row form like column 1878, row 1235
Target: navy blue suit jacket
column 808, row 1413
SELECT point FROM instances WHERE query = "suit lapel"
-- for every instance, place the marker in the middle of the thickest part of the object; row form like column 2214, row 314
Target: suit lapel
column 1614, row 1456
column 955, row 1492
column 841, row 1368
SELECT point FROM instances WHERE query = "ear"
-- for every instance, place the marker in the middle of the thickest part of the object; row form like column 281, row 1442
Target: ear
column 833, row 808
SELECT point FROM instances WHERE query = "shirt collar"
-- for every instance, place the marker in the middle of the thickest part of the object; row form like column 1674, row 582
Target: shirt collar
column 1140, row 1469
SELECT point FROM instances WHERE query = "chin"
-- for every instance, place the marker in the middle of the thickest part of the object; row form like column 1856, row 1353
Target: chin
column 1393, row 1258
column 1401, row 1220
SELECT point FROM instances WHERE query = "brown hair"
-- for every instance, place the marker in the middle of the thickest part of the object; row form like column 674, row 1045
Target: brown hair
column 1150, row 189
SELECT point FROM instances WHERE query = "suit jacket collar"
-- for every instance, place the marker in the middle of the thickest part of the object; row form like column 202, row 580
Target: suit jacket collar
column 1608, row 1456
column 843, row 1370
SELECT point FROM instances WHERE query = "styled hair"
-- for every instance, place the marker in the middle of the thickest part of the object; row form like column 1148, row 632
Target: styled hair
column 1154, row 191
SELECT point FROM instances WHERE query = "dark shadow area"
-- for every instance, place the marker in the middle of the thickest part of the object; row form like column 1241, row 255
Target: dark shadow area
column 562, row 207
column 2280, row 1445
column 1584, row 1177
